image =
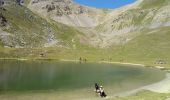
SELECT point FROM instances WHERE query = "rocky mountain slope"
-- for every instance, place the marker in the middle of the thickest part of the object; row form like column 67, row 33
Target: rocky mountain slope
column 98, row 27
column 67, row 12
column 21, row 28
column 62, row 29
column 119, row 28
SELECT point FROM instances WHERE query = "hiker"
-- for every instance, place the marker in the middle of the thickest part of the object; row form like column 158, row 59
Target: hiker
column 102, row 93
column 85, row 60
column 100, row 90
column 97, row 88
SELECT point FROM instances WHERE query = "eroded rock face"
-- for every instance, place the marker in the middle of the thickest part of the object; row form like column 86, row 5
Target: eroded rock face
column 3, row 21
column 8, row 2
column 64, row 8
column 1, row 3
column 67, row 12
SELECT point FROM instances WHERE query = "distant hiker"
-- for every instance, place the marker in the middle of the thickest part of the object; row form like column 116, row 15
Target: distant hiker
column 102, row 93
column 97, row 88
column 80, row 59
column 85, row 60
column 110, row 59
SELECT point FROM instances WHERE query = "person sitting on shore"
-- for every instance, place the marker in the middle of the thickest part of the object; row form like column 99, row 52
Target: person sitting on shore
column 102, row 93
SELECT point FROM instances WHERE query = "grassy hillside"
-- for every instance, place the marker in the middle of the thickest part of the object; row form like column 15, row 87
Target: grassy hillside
column 149, row 14
column 146, row 48
column 153, row 3
column 26, row 29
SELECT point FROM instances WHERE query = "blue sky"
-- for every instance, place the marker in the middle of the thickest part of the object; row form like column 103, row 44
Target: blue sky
column 104, row 3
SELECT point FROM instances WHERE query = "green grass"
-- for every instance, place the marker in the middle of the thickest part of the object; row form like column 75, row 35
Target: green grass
column 149, row 46
column 26, row 2
column 153, row 3
column 145, row 95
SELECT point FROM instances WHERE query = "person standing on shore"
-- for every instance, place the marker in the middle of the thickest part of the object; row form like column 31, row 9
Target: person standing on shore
column 97, row 88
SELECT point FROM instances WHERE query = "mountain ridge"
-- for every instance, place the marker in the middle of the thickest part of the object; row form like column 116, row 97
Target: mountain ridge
column 66, row 12
column 101, row 28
